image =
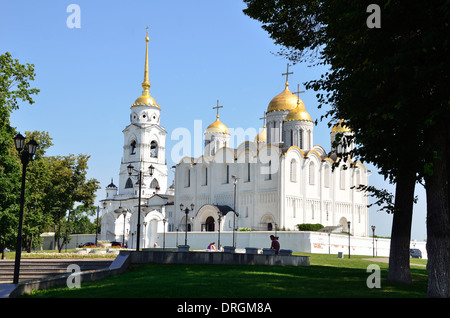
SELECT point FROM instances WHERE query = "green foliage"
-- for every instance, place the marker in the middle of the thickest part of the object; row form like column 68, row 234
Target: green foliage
column 14, row 86
column 54, row 184
column 309, row 227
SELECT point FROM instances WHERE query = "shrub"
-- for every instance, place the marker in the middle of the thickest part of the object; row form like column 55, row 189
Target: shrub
column 309, row 227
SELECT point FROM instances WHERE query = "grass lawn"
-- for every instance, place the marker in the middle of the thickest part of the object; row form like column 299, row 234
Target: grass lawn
column 328, row 276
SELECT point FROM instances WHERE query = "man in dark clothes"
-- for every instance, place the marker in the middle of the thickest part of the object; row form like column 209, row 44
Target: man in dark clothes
column 275, row 244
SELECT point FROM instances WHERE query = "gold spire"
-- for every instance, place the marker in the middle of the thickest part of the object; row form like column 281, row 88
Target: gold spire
column 146, row 83
column 145, row 98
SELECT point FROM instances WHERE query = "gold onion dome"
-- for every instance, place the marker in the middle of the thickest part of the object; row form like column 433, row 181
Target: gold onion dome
column 145, row 99
column 341, row 126
column 217, row 127
column 298, row 113
column 262, row 136
column 286, row 100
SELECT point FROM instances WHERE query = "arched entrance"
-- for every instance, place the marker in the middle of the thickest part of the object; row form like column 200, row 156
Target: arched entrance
column 209, row 224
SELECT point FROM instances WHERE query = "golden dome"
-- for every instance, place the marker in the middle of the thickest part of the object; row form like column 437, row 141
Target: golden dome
column 298, row 113
column 262, row 136
column 341, row 126
column 145, row 100
column 283, row 101
column 217, row 127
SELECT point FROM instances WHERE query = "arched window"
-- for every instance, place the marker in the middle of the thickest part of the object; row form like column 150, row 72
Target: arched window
column 129, row 184
column 154, row 184
column 311, row 174
column 154, row 149
column 293, row 170
column 326, row 176
column 133, row 147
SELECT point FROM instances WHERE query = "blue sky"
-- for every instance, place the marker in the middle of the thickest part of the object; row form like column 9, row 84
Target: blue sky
column 199, row 52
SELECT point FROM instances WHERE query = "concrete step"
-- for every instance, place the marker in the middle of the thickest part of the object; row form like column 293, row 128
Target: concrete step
column 40, row 268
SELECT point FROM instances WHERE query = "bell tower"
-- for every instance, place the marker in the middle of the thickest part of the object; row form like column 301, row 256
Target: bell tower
column 144, row 143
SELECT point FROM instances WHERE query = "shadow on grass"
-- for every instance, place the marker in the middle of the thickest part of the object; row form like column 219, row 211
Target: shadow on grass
column 225, row 281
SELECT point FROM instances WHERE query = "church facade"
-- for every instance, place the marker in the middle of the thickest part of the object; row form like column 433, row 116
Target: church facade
column 278, row 180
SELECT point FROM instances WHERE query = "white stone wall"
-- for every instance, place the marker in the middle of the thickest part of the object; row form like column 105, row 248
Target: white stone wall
column 307, row 242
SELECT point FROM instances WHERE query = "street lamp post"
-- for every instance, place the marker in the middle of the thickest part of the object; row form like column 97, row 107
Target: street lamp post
column 130, row 171
column 26, row 153
column 234, row 212
column 186, row 211
column 219, row 219
column 96, row 227
column 373, row 239
column 348, row 223
column 164, row 233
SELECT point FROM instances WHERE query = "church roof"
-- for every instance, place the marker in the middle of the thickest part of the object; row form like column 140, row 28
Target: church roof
column 111, row 185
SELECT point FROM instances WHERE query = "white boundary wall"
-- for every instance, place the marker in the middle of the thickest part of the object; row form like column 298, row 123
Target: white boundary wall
column 307, row 242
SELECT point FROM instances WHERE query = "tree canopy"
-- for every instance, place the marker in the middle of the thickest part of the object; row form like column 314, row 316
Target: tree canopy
column 389, row 84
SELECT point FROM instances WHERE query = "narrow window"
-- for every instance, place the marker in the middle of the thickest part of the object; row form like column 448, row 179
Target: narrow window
column 300, row 143
column 133, row 147
column 154, row 149
column 187, row 182
column 342, row 176
column 311, row 173
column 326, row 176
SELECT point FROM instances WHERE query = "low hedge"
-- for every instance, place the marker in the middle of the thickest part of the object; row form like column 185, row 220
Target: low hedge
column 309, row 227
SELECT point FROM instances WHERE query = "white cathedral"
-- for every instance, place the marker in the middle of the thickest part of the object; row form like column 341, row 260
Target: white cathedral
column 279, row 180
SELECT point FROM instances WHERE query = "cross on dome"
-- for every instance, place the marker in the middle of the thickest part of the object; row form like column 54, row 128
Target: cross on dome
column 217, row 107
column 287, row 74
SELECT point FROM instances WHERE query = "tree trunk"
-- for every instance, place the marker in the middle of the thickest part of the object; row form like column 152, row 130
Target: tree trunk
column 399, row 270
column 438, row 219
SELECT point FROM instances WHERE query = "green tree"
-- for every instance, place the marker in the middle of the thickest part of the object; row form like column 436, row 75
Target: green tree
column 14, row 87
column 69, row 186
column 389, row 83
column 36, row 214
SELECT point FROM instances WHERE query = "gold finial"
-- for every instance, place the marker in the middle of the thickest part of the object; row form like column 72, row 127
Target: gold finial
column 287, row 75
column 217, row 107
column 146, row 83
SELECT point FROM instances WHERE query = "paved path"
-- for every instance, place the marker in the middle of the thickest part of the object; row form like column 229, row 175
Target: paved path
column 386, row 260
